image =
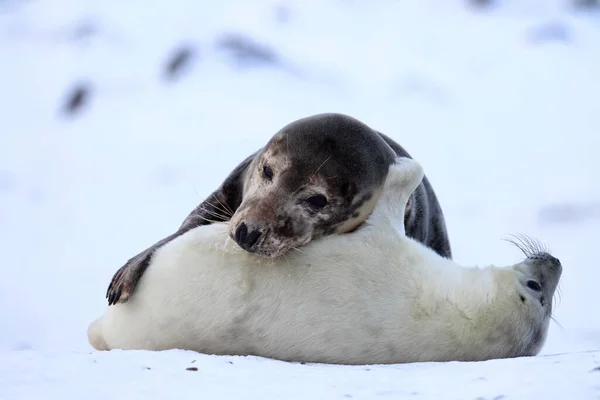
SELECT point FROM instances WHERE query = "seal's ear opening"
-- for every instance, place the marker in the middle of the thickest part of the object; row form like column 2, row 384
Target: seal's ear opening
column 348, row 190
column 404, row 176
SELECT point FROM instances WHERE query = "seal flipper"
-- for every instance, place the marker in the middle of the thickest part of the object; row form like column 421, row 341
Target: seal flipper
column 126, row 278
column 219, row 206
column 404, row 176
column 95, row 336
column 424, row 219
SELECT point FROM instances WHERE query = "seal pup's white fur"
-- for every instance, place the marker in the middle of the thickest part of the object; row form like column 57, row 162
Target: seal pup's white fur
column 368, row 297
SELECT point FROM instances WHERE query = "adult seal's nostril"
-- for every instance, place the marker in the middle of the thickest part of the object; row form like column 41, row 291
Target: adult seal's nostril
column 252, row 238
column 240, row 234
column 244, row 239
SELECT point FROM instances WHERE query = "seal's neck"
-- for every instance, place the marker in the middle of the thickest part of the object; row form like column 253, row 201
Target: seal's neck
column 467, row 293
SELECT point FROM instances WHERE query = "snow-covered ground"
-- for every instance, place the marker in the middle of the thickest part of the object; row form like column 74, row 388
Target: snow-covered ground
column 177, row 374
column 500, row 106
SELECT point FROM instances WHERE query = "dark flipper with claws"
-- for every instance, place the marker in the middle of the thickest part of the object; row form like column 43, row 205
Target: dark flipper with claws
column 217, row 207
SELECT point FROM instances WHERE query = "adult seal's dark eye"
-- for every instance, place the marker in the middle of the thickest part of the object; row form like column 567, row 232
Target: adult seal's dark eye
column 267, row 172
column 317, row 201
column 533, row 285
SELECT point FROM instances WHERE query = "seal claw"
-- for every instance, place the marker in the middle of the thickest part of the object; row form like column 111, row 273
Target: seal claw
column 126, row 278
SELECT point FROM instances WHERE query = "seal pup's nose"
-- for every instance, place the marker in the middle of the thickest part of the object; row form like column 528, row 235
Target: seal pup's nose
column 546, row 257
column 244, row 239
column 547, row 262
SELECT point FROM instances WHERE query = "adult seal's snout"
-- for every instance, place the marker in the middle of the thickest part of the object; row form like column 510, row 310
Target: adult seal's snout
column 246, row 240
column 318, row 176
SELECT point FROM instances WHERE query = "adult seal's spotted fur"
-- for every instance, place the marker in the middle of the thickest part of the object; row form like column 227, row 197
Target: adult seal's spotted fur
column 372, row 296
column 317, row 176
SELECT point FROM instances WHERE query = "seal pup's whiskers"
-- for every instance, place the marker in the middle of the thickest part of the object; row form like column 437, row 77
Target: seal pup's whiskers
column 558, row 295
column 557, row 323
column 528, row 245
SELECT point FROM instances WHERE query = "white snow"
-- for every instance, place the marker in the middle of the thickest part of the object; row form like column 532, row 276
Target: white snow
column 165, row 375
column 500, row 106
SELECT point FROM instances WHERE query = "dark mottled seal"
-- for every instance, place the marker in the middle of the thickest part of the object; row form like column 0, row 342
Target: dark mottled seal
column 317, row 176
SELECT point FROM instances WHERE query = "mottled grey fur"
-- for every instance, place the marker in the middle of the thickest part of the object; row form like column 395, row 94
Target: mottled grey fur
column 350, row 159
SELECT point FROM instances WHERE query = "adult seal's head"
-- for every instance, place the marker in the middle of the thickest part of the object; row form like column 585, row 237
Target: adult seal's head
column 318, row 175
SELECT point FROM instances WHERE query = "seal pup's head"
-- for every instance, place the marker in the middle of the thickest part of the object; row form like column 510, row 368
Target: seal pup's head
column 538, row 277
column 317, row 176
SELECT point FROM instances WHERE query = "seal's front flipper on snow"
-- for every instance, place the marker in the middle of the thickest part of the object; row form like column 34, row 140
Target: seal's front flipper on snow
column 219, row 206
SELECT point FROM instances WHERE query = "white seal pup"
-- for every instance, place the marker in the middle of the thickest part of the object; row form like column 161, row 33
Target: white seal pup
column 317, row 176
column 373, row 296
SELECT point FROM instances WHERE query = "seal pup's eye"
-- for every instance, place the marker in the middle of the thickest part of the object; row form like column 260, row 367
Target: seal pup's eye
column 317, row 201
column 267, row 172
column 533, row 285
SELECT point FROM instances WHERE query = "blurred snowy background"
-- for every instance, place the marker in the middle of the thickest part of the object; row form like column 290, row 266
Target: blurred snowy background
column 118, row 117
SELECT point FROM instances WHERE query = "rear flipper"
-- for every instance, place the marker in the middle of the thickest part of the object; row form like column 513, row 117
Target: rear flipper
column 95, row 336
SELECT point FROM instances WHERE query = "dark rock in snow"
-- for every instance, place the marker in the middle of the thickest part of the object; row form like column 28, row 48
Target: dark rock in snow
column 246, row 52
column 178, row 62
column 77, row 98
